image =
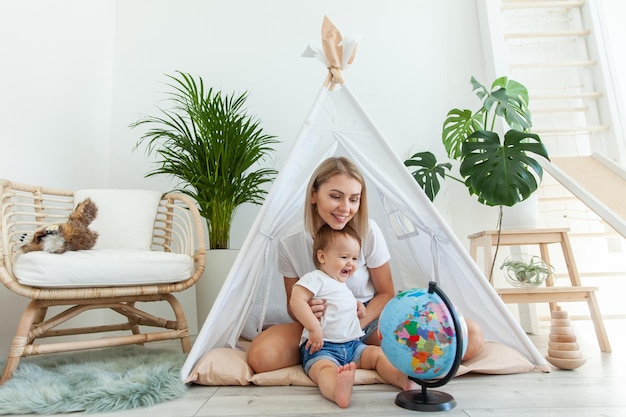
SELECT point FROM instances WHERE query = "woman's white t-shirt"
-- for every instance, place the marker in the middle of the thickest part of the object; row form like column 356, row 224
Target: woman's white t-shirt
column 295, row 259
column 340, row 322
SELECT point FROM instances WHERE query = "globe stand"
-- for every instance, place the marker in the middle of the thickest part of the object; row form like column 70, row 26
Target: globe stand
column 425, row 400
column 433, row 400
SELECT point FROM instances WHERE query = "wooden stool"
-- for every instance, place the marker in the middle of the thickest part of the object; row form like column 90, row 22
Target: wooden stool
column 542, row 237
column 562, row 294
column 517, row 237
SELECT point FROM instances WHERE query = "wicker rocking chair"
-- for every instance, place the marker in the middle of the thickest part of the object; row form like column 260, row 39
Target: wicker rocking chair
column 172, row 260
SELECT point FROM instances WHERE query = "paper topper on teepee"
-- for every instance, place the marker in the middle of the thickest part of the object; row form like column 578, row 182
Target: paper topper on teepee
column 336, row 53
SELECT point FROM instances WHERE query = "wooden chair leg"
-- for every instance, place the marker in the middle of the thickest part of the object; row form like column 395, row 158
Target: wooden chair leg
column 41, row 315
column 134, row 327
column 181, row 321
column 16, row 351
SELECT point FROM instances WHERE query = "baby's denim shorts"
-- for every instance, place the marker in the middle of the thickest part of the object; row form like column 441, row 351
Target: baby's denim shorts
column 369, row 330
column 339, row 353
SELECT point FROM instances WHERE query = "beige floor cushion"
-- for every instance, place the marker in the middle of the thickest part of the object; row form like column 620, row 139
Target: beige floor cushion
column 225, row 366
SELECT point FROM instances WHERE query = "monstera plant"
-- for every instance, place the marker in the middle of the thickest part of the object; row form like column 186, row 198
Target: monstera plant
column 500, row 171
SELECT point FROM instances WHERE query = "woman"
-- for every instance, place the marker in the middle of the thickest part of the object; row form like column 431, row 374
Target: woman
column 336, row 196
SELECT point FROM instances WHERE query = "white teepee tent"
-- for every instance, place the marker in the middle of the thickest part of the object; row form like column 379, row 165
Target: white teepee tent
column 422, row 246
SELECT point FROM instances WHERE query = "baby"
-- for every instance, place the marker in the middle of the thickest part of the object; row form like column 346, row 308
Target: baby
column 331, row 349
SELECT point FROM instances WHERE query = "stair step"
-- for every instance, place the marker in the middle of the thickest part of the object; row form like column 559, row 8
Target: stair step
column 573, row 130
column 519, row 5
column 555, row 34
column 572, row 96
column 582, row 109
column 558, row 64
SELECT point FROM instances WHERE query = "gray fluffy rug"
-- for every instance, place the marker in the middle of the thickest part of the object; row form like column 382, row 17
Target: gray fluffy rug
column 94, row 381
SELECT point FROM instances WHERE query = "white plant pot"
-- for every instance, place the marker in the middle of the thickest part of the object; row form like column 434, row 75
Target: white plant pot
column 522, row 215
column 218, row 264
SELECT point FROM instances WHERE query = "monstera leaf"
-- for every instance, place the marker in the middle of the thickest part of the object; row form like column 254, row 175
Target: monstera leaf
column 427, row 172
column 510, row 99
column 507, row 99
column 459, row 124
column 501, row 174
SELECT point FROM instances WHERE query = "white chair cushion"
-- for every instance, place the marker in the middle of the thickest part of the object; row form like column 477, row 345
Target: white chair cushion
column 102, row 268
column 125, row 218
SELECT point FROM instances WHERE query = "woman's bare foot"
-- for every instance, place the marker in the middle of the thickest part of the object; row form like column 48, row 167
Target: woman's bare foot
column 345, row 382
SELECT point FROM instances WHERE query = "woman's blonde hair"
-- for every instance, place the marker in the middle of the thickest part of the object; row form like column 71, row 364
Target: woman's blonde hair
column 327, row 169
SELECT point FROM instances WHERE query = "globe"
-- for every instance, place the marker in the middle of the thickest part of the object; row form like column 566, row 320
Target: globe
column 417, row 334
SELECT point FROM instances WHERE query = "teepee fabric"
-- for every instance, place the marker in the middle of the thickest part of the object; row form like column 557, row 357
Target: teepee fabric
column 422, row 246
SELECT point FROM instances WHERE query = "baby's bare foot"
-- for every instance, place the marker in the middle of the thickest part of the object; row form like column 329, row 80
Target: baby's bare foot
column 410, row 385
column 345, row 382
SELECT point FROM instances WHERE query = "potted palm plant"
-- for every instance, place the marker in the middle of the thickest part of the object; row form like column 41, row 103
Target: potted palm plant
column 500, row 171
column 209, row 142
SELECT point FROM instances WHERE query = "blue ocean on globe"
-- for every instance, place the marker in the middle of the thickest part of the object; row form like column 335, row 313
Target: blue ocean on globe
column 417, row 334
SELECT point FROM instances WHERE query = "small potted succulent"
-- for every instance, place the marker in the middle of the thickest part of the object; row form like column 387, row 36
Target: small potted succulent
column 526, row 270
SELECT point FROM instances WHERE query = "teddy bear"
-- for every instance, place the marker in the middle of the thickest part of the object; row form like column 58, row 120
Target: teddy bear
column 71, row 235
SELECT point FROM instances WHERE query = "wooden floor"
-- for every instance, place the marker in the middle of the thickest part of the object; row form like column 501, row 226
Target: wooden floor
column 597, row 389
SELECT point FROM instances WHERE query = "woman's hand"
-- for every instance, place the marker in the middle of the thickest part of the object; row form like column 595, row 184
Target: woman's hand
column 360, row 310
column 383, row 284
column 318, row 307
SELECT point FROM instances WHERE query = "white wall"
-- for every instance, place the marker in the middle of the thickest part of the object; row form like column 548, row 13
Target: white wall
column 55, row 91
column 55, row 103
column 76, row 73
column 411, row 58
column 612, row 14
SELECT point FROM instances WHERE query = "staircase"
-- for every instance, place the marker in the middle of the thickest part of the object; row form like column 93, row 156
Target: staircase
column 553, row 48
